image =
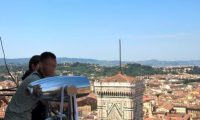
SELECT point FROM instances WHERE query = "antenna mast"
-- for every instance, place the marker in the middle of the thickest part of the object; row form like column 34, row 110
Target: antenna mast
column 120, row 57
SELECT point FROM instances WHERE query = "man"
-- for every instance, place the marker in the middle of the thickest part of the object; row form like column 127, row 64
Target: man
column 22, row 104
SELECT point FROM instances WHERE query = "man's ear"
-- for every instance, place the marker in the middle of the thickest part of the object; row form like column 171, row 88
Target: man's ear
column 43, row 67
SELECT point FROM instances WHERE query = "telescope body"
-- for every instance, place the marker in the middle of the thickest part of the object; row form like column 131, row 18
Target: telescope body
column 50, row 88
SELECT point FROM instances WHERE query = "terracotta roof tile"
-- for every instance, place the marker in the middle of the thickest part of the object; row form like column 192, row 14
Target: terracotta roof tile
column 119, row 78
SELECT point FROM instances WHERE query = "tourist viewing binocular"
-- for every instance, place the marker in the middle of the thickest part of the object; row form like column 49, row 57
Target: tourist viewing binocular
column 61, row 89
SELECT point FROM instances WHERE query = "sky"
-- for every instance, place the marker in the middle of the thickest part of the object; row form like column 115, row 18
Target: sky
column 148, row 29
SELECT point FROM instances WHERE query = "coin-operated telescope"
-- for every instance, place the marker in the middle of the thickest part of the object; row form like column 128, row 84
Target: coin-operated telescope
column 61, row 89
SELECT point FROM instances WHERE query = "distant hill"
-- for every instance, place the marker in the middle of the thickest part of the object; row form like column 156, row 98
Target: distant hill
column 14, row 61
column 155, row 63
column 64, row 60
column 158, row 63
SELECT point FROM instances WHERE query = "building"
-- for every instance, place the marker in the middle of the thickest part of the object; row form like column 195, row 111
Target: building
column 180, row 109
column 147, row 106
column 165, row 108
column 177, row 117
column 119, row 98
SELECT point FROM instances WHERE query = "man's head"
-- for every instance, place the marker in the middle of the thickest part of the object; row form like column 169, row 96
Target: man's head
column 48, row 64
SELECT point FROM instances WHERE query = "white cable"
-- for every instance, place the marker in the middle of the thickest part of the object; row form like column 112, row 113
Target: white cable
column 76, row 108
column 62, row 101
column 72, row 97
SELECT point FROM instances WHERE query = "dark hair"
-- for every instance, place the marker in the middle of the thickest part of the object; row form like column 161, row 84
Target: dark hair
column 47, row 55
column 33, row 61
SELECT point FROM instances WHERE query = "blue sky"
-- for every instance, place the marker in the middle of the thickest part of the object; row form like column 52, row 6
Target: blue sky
column 149, row 29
